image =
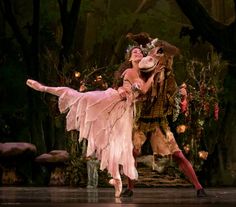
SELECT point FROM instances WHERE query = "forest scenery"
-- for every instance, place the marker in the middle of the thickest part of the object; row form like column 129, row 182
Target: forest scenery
column 81, row 44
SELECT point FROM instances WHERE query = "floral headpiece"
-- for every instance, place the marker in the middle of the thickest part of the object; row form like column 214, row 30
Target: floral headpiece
column 131, row 47
column 145, row 49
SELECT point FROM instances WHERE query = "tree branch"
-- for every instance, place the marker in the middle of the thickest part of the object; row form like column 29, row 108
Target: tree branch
column 69, row 23
column 73, row 16
column 140, row 6
column 63, row 11
column 144, row 6
column 214, row 32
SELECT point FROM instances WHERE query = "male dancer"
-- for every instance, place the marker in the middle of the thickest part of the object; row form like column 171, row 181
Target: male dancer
column 158, row 105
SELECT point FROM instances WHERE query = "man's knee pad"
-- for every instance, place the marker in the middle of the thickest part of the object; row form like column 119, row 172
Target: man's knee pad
column 138, row 140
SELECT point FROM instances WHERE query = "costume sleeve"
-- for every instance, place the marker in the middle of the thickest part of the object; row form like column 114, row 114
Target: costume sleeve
column 172, row 89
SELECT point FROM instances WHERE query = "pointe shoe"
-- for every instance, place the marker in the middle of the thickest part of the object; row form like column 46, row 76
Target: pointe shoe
column 35, row 85
column 127, row 193
column 117, row 185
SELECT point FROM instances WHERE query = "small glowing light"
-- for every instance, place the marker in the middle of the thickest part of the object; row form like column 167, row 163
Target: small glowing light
column 203, row 155
column 77, row 74
column 181, row 129
column 187, row 148
column 99, row 77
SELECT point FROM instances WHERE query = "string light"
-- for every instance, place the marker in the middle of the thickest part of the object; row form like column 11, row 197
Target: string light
column 77, row 74
column 203, row 155
column 181, row 128
column 187, row 148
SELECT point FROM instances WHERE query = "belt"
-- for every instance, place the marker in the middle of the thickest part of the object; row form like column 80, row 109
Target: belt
column 149, row 120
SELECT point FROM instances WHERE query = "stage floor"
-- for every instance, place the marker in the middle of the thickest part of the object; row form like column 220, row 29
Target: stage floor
column 102, row 197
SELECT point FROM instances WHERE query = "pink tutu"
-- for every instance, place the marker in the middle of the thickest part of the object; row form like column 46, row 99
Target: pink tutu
column 106, row 121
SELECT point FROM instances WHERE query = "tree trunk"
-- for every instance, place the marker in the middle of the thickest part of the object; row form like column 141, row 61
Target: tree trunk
column 36, row 117
column 31, row 57
column 69, row 22
column 218, row 10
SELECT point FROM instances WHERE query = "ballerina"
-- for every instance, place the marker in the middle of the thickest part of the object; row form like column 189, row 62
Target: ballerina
column 105, row 118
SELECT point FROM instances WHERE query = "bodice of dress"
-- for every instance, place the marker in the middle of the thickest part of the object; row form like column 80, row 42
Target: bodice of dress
column 132, row 89
column 131, row 93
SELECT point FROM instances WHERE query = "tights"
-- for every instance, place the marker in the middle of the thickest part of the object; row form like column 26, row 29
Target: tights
column 186, row 167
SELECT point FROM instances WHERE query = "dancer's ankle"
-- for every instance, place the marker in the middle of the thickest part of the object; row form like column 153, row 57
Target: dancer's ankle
column 117, row 183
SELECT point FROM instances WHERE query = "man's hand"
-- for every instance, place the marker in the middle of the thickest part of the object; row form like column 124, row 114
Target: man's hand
column 135, row 87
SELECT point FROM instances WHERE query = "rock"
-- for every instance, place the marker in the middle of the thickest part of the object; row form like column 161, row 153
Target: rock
column 55, row 156
column 55, row 161
column 11, row 156
column 10, row 149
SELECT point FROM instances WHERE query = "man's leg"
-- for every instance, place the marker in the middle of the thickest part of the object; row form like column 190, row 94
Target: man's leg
column 187, row 168
column 166, row 144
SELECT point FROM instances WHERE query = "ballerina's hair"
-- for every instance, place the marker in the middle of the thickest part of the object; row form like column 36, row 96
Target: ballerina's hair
column 129, row 50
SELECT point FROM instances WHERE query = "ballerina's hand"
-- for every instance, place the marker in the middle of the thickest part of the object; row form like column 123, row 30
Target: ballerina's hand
column 122, row 93
column 152, row 77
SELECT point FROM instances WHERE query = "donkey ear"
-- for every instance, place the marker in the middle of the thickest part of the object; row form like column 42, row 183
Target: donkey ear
column 168, row 48
column 142, row 38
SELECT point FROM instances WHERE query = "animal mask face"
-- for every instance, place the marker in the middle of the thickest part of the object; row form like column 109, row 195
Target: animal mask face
column 150, row 62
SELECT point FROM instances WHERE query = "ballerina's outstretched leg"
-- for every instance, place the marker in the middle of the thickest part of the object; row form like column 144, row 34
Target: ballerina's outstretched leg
column 40, row 87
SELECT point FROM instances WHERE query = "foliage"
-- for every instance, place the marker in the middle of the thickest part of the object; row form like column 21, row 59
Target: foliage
column 204, row 82
column 76, row 168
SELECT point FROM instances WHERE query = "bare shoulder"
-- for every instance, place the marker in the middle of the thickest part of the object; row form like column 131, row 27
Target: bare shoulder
column 130, row 73
column 127, row 71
